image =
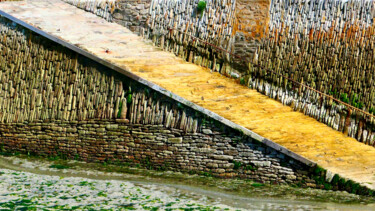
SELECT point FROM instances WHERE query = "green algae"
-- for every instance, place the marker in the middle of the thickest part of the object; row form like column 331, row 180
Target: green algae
column 59, row 166
column 231, row 186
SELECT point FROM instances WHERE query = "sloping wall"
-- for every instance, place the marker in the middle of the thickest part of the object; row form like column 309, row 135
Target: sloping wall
column 80, row 108
column 259, row 78
column 328, row 46
column 56, row 101
column 325, row 45
column 197, row 36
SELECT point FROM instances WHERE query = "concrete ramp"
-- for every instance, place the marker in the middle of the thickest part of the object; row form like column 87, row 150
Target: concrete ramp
column 247, row 108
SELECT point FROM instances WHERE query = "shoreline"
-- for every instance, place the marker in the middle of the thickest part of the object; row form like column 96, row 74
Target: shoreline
column 231, row 192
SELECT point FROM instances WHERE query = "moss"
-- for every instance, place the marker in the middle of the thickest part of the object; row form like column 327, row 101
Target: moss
column 299, row 184
column 372, row 111
column 237, row 165
column 242, row 81
column 119, row 110
column 349, row 185
column 147, row 92
column 201, row 6
column 319, row 171
column 335, row 180
column 251, row 168
column 327, row 186
column 341, row 183
column 255, row 184
column 363, row 191
column 319, row 180
column 52, row 158
column 129, row 98
column 206, row 174
column 59, row 166
column 356, row 188
column 5, row 153
column 344, row 98
column 355, row 101
column 146, row 162
column 180, row 106
column 236, row 140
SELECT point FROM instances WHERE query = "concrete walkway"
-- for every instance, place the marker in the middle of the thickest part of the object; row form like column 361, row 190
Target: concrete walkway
column 246, row 107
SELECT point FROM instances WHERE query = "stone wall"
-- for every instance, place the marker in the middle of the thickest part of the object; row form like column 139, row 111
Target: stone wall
column 177, row 26
column 132, row 13
column 57, row 102
column 154, row 145
column 326, row 45
column 235, row 26
column 329, row 46
column 101, row 8
column 63, row 87
column 214, row 24
column 251, row 25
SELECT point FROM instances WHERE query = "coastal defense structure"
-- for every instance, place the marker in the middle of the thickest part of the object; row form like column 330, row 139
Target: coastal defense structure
column 315, row 56
column 78, row 86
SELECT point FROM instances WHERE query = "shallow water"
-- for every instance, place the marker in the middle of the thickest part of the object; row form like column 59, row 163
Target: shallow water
column 32, row 184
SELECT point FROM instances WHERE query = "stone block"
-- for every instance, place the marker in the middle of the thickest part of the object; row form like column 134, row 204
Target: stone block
column 207, row 131
column 262, row 163
column 222, row 157
column 177, row 140
column 118, row 16
column 112, row 127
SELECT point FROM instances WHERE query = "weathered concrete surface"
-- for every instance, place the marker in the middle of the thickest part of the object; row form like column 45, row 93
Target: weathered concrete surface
column 267, row 117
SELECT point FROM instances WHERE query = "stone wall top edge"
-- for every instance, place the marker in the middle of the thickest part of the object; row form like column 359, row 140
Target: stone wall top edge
column 157, row 88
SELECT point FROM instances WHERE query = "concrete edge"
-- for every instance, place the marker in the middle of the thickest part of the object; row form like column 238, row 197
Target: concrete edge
column 163, row 91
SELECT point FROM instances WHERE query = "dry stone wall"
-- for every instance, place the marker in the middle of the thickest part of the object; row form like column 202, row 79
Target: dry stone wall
column 326, row 45
column 251, row 25
column 132, row 13
column 214, row 24
column 154, row 146
column 234, row 26
column 179, row 27
column 58, row 102
column 62, row 88
column 102, row 8
column 329, row 46
column 209, row 39
column 204, row 37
